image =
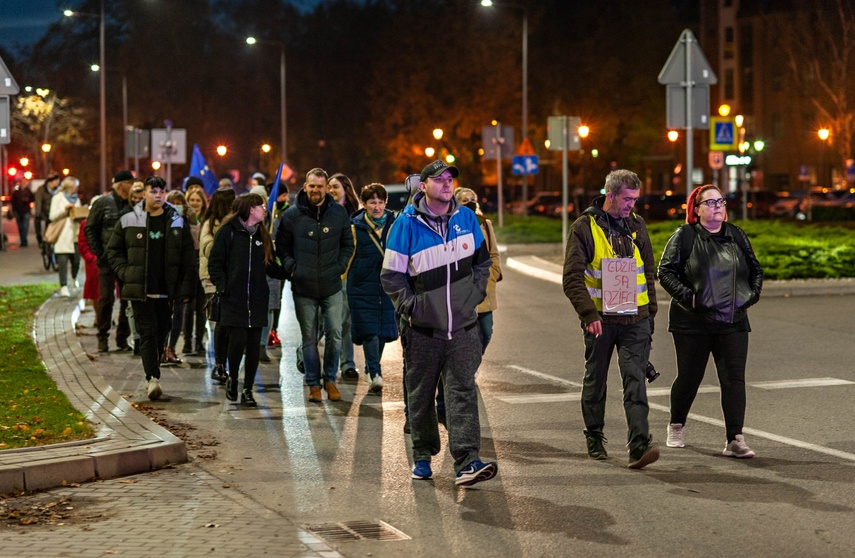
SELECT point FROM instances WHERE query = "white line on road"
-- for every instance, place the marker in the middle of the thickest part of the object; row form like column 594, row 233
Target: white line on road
column 559, row 397
column 807, row 382
column 552, row 379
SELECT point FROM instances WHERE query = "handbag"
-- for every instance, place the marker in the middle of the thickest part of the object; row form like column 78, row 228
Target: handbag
column 54, row 229
column 213, row 308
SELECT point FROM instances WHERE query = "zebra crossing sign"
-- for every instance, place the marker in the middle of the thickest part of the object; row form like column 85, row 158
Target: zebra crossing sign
column 723, row 136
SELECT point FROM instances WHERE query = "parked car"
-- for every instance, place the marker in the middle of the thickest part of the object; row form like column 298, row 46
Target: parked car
column 546, row 204
column 661, row 207
column 794, row 204
column 760, row 203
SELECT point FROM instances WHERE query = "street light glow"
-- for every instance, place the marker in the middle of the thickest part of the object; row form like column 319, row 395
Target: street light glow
column 251, row 40
column 673, row 135
column 24, row 161
column 46, row 147
column 68, row 13
column 266, row 148
column 155, row 165
column 759, row 145
column 823, row 133
column 724, row 110
column 584, row 131
column 437, row 134
column 486, row 3
column 95, row 67
column 430, row 151
column 222, row 150
column 449, row 158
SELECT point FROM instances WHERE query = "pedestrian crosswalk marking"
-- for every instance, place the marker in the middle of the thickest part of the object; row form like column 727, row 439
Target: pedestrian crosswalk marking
column 723, row 133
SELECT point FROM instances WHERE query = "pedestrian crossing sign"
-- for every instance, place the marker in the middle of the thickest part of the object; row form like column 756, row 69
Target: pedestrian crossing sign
column 723, row 136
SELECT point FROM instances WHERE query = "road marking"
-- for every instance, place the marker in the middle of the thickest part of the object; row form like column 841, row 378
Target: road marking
column 807, row 382
column 552, row 379
column 763, row 434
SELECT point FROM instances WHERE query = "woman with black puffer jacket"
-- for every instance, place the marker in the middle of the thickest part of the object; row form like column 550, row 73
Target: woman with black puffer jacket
column 712, row 273
column 240, row 260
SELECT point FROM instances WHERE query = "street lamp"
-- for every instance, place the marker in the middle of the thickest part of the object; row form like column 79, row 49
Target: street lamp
column 282, row 99
column 823, row 134
column 97, row 68
column 488, row 4
column 103, row 88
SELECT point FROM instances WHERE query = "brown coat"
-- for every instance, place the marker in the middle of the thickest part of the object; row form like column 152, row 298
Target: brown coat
column 491, row 302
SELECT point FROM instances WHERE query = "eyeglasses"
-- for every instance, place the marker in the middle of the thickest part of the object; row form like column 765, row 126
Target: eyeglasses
column 721, row 202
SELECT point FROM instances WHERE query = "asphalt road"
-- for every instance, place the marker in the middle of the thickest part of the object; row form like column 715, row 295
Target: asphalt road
column 346, row 461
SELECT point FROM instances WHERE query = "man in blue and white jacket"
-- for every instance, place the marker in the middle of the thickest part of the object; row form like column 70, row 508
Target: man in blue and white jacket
column 435, row 271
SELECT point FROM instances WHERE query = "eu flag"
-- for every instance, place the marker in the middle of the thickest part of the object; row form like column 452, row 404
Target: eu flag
column 274, row 190
column 200, row 169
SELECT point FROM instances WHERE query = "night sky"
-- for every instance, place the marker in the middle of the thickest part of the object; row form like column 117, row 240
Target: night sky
column 24, row 22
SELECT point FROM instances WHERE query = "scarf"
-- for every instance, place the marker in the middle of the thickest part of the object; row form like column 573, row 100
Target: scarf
column 251, row 229
column 72, row 198
column 377, row 223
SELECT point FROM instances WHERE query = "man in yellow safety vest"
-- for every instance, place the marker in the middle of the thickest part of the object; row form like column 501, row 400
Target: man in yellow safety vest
column 609, row 276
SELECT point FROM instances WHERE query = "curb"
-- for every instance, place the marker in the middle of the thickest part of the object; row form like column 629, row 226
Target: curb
column 539, row 268
column 127, row 442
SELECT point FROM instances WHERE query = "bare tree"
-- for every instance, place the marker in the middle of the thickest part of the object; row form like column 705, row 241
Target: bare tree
column 44, row 118
column 819, row 52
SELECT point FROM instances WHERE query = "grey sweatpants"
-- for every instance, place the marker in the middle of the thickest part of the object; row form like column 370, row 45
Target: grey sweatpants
column 456, row 360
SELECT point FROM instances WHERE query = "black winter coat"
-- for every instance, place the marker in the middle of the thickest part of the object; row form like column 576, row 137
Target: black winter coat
column 718, row 281
column 371, row 310
column 314, row 244
column 103, row 216
column 128, row 255
column 237, row 269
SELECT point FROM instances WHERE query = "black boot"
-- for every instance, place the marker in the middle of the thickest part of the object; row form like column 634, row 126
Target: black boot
column 231, row 389
column 595, row 441
column 247, row 399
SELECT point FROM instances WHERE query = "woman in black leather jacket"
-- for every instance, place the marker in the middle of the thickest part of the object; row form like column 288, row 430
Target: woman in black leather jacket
column 710, row 270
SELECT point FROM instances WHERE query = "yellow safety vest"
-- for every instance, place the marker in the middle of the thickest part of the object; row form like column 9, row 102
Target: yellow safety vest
column 594, row 270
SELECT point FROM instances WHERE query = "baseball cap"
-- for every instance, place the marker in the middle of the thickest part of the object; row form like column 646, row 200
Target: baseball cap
column 260, row 176
column 435, row 169
column 123, row 176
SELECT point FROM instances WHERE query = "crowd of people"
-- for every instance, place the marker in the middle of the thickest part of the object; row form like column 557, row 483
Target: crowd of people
column 184, row 262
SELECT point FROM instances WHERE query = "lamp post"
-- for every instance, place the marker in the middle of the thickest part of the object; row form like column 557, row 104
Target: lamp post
column 524, row 133
column 823, row 134
column 282, row 98
column 103, row 91
column 125, row 129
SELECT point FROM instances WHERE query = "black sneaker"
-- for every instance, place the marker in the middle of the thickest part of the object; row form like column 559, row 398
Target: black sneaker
column 350, row 374
column 103, row 346
column 247, row 399
column 595, row 441
column 643, row 455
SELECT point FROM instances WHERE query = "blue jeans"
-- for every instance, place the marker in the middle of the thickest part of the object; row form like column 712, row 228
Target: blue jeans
column 373, row 349
column 307, row 315
column 485, row 326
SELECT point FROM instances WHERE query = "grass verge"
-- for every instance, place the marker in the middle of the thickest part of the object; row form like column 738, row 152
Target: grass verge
column 33, row 411
column 786, row 250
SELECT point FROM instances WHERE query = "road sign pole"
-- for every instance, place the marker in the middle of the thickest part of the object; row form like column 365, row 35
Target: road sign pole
column 689, row 148
column 565, row 131
column 500, row 199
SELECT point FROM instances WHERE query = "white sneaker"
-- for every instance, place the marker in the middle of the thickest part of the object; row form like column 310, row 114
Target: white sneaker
column 376, row 384
column 64, row 291
column 76, row 284
column 738, row 448
column 675, row 436
column 154, row 390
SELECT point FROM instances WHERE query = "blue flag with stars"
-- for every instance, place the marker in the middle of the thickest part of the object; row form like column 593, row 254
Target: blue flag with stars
column 274, row 190
column 199, row 168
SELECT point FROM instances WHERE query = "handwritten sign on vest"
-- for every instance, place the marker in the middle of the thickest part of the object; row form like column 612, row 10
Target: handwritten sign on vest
column 620, row 291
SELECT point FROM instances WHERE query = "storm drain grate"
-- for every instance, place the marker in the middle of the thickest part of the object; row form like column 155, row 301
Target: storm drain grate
column 358, row 531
